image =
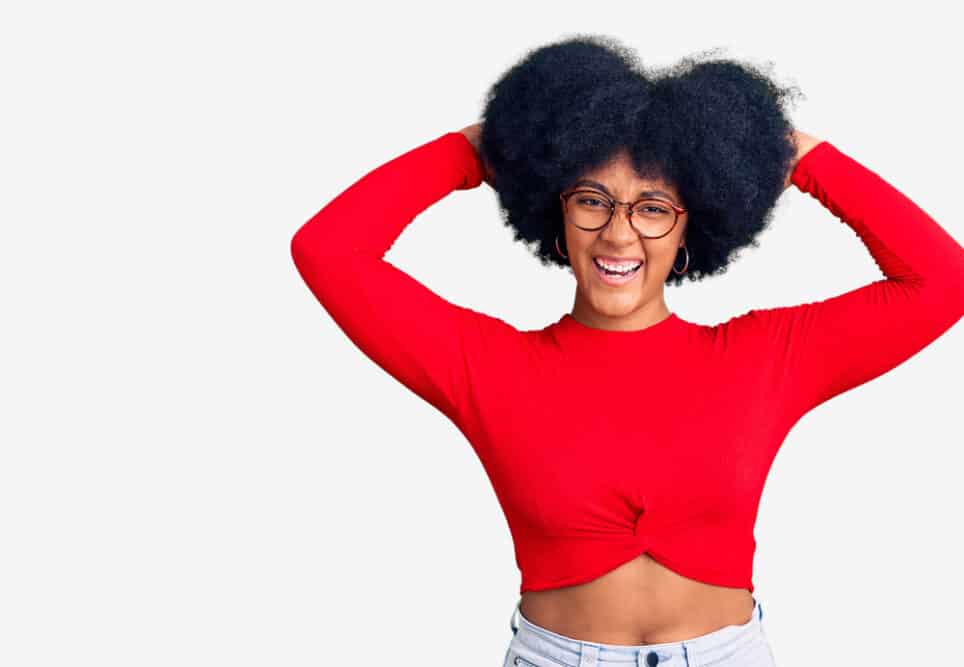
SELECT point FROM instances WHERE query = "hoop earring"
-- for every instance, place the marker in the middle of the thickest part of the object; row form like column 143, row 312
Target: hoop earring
column 686, row 265
column 558, row 250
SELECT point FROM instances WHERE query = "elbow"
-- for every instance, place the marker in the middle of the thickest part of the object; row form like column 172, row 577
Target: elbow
column 315, row 261
column 951, row 286
column 958, row 296
column 304, row 244
column 295, row 247
column 945, row 298
column 313, row 240
column 304, row 251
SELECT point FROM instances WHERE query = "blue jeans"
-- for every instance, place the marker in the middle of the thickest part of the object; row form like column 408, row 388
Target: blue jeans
column 731, row 646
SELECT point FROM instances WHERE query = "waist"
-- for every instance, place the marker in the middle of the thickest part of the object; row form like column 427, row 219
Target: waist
column 641, row 602
column 732, row 645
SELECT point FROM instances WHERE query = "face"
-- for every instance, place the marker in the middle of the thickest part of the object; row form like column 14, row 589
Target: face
column 637, row 302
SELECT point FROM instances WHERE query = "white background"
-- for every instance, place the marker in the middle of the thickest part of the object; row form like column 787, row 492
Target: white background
column 198, row 468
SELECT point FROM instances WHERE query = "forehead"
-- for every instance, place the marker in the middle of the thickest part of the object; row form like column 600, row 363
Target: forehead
column 618, row 177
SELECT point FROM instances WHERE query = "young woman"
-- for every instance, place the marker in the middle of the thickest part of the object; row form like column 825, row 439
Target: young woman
column 627, row 446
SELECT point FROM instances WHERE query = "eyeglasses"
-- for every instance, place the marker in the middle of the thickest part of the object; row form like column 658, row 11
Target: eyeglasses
column 591, row 210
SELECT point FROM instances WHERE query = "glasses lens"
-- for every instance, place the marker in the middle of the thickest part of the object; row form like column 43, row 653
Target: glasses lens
column 590, row 210
column 653, row 217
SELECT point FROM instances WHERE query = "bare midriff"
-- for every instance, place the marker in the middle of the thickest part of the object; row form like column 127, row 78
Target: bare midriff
column 639, row 602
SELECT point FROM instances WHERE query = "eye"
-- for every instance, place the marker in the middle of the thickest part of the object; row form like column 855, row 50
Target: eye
column 653, row 209
column 592, row 202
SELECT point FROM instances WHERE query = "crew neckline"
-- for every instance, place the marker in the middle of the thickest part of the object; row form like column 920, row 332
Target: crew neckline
column 567, row 321
column 574, row 333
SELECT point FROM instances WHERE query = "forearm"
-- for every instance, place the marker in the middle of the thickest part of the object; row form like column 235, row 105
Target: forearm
column 411, row 332
column 829, row 346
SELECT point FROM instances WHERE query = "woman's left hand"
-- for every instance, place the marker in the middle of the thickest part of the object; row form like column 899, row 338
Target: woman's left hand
column 804, row 143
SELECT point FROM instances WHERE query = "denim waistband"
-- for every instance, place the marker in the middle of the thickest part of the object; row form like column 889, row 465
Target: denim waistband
column 702, row 649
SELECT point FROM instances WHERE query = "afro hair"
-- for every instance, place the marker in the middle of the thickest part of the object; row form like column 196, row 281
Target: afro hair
column 716, row 129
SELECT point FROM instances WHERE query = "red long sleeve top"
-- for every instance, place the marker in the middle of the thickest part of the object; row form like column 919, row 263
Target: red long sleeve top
column 590, row 478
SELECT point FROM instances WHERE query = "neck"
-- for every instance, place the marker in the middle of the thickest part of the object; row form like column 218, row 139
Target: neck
column 645, row 316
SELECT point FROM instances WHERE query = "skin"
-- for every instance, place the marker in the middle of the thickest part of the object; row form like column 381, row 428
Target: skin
column 639, row 303
column 641, row 601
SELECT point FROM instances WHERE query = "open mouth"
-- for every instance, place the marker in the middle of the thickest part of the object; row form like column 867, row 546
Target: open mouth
column 616, row 274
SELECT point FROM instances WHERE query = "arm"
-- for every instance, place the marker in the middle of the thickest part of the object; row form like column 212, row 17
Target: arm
column 422, row 340
column 804, row 143
column 824, row 348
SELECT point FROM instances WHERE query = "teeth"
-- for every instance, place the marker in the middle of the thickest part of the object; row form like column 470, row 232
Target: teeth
column 618, row 267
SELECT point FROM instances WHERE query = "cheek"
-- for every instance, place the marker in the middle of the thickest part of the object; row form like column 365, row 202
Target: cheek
column 580, row 255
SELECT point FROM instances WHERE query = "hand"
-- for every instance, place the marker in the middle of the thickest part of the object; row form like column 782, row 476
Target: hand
column 474, row 133
column 804, row 143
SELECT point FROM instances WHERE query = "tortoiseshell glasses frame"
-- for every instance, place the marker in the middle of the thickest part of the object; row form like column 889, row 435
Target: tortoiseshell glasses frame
column 678, row 210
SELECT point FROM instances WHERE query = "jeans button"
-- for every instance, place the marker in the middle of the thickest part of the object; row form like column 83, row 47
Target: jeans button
column 652, row 659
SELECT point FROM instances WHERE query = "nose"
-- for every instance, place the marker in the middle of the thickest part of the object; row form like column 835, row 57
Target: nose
column 620, row 228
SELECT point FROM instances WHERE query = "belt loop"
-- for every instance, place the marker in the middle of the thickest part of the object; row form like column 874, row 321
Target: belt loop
column 513, row 622
column 588, row 655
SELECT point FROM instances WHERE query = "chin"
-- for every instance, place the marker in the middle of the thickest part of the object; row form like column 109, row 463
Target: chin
column 613, row 303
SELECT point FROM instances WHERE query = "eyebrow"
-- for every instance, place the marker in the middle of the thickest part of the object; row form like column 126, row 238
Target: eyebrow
column 644, row 193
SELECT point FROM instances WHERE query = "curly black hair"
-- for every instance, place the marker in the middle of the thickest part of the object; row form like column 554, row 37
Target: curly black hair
column 716, row 129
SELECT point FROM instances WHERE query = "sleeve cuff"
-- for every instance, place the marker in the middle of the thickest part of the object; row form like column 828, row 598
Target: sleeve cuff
column 808, row 162
column 467, row 159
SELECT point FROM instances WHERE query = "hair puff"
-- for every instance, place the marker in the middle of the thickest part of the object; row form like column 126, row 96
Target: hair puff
column 716, row 129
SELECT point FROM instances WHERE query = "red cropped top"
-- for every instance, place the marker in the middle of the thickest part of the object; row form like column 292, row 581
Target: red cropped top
column 590, row 478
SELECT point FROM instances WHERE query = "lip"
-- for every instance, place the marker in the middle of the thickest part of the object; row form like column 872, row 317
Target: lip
column 615, row 259
column 614, row 281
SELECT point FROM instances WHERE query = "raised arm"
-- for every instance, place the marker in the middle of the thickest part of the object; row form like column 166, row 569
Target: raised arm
column 820, row 349
column 422, row 340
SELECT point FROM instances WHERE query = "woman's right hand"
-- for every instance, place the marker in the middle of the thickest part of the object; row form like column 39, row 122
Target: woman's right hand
column 474, row 133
